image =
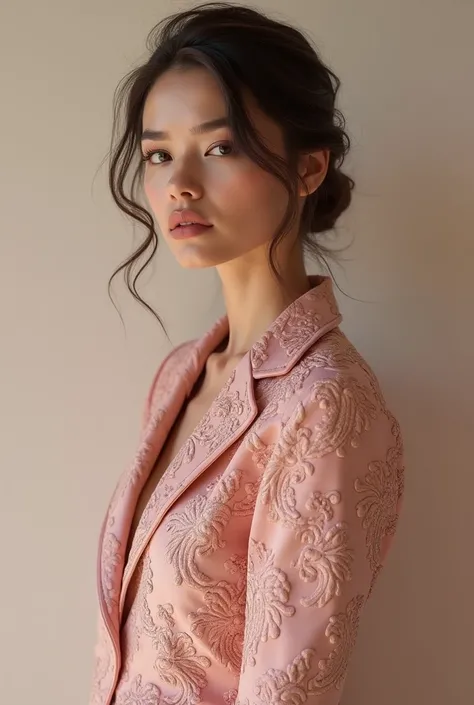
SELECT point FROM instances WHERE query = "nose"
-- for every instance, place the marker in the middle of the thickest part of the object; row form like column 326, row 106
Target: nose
column 184, row 184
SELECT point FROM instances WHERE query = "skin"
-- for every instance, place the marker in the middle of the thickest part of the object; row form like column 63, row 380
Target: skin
column 244, row 203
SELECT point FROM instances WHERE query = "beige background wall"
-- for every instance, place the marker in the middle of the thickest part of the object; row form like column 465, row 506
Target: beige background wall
column 72, row 383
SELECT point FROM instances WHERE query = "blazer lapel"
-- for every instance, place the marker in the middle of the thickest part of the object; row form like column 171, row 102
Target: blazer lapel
column 229, row 416
column 174, row 383
column 116, row 528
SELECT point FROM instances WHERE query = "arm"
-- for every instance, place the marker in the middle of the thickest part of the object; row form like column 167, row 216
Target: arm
column 327, row 504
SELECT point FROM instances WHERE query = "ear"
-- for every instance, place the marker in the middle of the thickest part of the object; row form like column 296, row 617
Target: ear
column 313, row 167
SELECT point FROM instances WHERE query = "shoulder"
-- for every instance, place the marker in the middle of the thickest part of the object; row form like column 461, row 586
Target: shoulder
column 338, row 396
column 335, row 362
column 334, row 354
column 168, row 371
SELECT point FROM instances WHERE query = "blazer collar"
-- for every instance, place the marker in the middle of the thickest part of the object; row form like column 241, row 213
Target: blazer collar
column 295, row 330
column 279, row 349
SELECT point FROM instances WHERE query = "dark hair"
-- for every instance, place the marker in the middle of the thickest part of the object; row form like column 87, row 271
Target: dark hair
column 243, row 48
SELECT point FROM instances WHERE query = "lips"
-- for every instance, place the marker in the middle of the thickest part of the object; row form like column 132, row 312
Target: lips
column 187, row 216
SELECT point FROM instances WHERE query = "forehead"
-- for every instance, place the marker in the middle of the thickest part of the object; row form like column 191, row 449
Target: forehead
column 181, row 96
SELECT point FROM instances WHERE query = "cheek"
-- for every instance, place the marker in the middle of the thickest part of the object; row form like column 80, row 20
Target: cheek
column 154, row 190
column 254, row 193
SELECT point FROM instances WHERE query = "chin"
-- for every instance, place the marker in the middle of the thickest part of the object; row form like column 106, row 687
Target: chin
column 193, row 258
column 194, row 264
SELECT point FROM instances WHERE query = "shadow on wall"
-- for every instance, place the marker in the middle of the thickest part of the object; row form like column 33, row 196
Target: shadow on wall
column 415, row 643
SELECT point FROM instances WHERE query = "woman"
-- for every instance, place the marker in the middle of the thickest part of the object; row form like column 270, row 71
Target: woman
column 239, row 549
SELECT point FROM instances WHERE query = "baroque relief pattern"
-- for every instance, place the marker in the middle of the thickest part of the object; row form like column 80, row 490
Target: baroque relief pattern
column 325, row 560
column 221, row 622
column 198, row 531
column 273, row 392
column 342, row 633
column 296, row 684
column 176, row 660
column 111, row 564
column 347, row 412
column 179, row 665
column 268, row 592
column 292, row 329
column 381, row 491
column 139, row 694
column 217, row 425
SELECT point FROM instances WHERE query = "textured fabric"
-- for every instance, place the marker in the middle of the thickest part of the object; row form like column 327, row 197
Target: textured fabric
column 256, row 553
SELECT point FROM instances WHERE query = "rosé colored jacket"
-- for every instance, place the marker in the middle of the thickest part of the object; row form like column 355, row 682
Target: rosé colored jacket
column 254, row 557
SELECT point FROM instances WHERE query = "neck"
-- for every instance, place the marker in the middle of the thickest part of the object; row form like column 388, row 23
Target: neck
column 254, row 298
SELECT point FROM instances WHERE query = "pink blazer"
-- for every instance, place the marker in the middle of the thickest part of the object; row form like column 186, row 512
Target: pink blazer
column 254, row 557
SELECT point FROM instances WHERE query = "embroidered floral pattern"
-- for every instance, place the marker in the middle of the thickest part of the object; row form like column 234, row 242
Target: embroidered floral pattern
column 268, row 592
column 292, row 330
column 325, row 558
column 323, row 293
column 332, row 352
column 141, row 531
column 348, row 411
column 165, row 613
column 176, row 659
column 245, row 507
column 198, row 529
column 230, row 697
column 110, row 566
column 183, row 457
column 228, row 409
column 342, row 632
column 288, row 465
column 261, row 452
column 276, row 687
column 296, row 685
column 381, row 490
column 180, row 364
column 139, row 464
column 258, row 351
column 296, row 326
column 178, row 665
column 221, row 622
column 273, row 392
column 140, row 622
column 216, row 427
column 139, row 694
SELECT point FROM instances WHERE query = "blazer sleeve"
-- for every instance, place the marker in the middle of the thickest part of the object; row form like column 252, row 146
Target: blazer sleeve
column 325, row 513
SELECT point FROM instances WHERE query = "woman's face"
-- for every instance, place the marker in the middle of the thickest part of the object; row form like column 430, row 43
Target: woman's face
column 201, row 171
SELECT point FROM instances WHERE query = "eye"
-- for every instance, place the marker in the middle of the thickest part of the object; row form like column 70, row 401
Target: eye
column 225, row 145
column 147, row 155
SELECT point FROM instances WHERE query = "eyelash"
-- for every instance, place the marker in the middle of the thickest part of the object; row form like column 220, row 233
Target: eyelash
column 147, row 154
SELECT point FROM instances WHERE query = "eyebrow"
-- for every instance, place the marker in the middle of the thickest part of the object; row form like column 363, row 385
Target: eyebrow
column 201, row 129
